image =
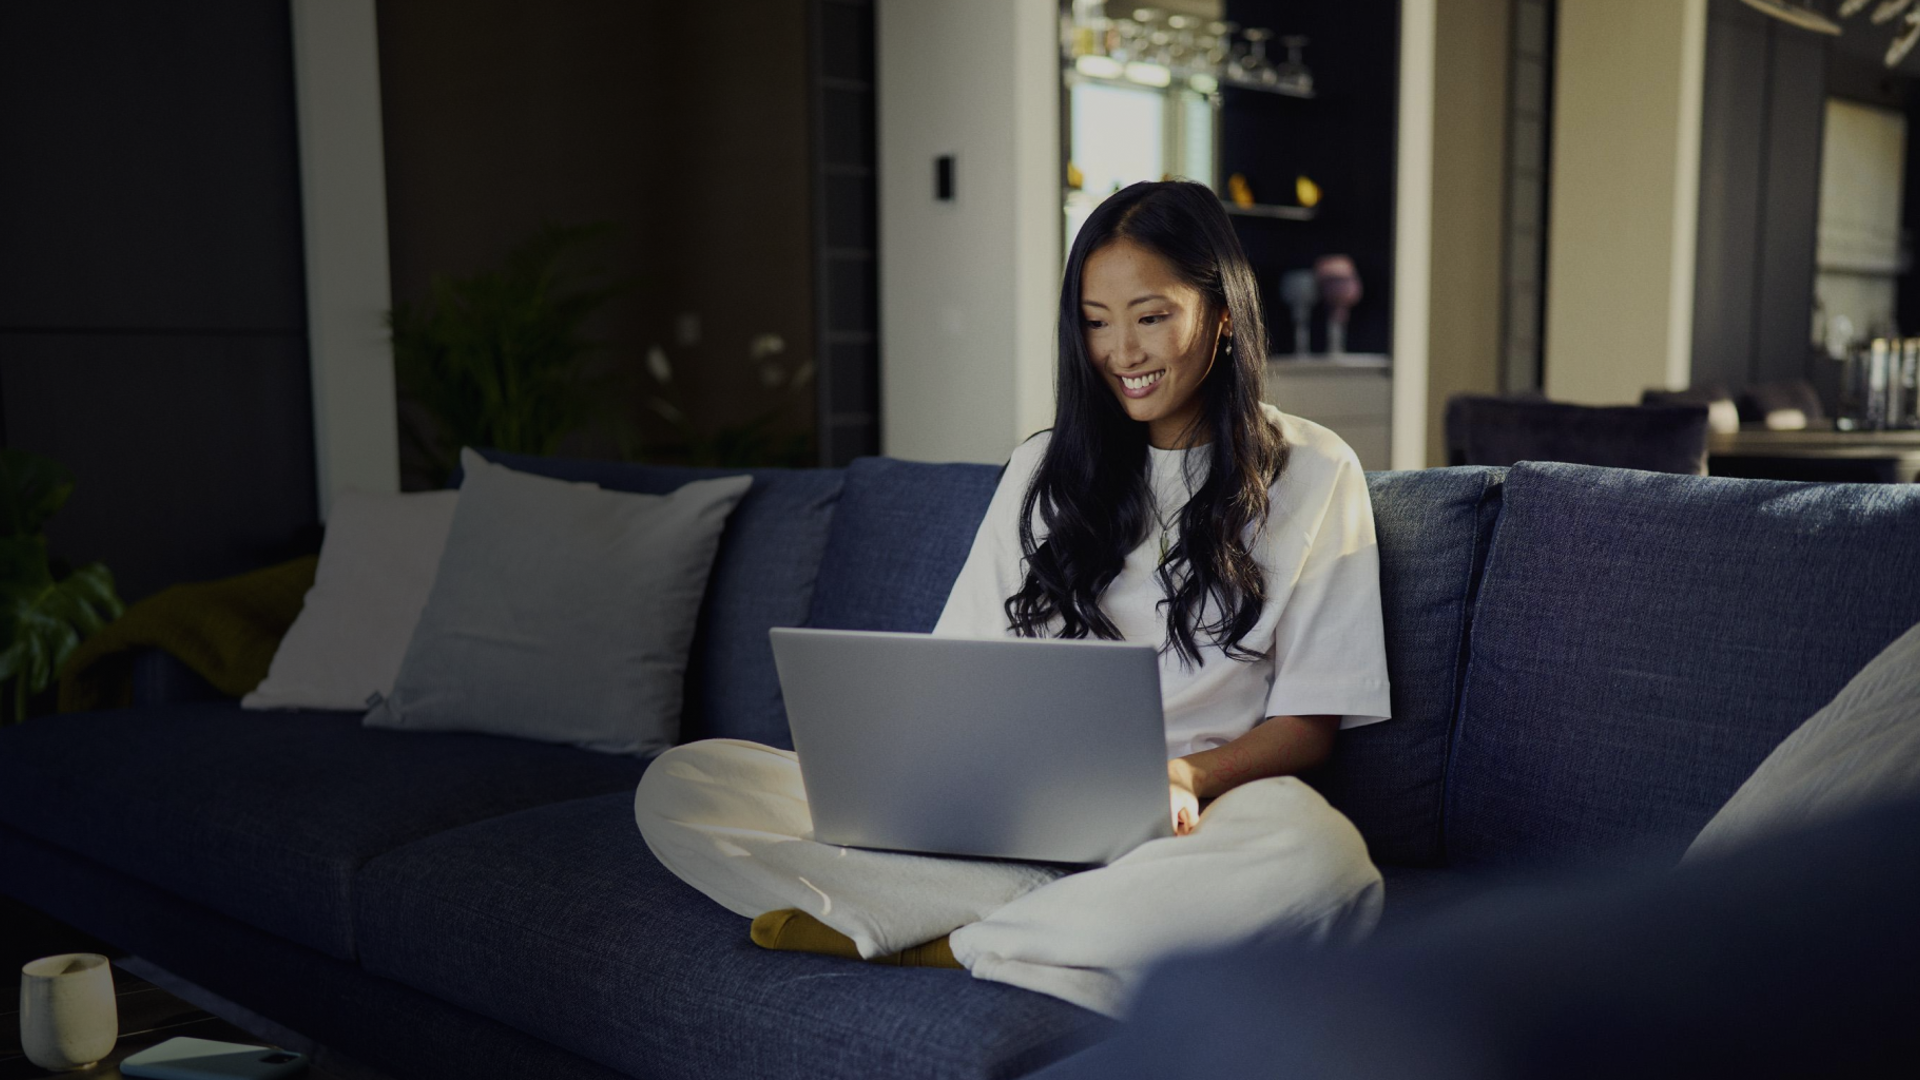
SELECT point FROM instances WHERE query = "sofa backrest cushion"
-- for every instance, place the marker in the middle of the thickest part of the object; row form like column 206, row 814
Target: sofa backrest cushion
column 900, row 536
column 1642, row 641
column 1433, row 527
column 763, row 576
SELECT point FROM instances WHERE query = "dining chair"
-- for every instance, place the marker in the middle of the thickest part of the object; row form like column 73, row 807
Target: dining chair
column 1485, row 430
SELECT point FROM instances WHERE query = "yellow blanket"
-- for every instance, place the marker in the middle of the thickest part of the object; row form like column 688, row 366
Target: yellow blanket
column 225, row 630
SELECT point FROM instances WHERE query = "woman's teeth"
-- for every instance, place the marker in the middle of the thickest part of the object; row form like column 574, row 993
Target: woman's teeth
column 1142, row 382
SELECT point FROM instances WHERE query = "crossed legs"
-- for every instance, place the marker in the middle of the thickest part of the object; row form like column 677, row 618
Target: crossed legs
column 1270, row 858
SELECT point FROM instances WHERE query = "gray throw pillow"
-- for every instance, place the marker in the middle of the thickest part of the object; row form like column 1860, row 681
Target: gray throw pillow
column 561, row 612
column 1862, row 748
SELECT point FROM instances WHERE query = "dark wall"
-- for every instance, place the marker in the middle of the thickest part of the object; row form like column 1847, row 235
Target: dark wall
column 847, row 269
column 683, row 127
column 152, row 311
column 1344, row 139
column 1763, row 111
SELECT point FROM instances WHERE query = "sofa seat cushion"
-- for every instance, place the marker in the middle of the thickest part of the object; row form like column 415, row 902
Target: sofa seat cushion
column 1433, row 527
column 1641, row 641
column 374, row 1022
column 266, row 818
column 763, row 576
column 560, row 922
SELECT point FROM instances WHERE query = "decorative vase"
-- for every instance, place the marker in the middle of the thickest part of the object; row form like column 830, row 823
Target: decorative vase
column 1339, row 290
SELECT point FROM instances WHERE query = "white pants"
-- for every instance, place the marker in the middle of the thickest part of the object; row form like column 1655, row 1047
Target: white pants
column 1268, row 859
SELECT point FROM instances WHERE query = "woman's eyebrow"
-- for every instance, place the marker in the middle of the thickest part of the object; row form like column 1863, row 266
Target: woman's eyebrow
column 1131, row 303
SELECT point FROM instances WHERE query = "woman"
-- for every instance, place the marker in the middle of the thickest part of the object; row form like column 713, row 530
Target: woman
column 1167, row 504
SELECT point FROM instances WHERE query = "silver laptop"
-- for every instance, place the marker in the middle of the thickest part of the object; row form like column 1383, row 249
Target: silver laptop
column 1018, row 748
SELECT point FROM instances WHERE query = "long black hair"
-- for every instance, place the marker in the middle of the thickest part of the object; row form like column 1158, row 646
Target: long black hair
column 1091, row 489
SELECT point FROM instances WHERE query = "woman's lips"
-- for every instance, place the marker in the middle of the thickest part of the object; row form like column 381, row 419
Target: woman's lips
column 1141, row 385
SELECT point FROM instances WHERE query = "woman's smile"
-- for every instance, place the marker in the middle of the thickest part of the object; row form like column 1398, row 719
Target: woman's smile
column 1139, row 386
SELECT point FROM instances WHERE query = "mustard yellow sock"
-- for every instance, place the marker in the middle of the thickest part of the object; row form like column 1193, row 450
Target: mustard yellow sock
column 796, row 931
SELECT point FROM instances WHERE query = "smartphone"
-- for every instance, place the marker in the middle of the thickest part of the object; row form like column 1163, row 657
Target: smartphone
column 181, row 1058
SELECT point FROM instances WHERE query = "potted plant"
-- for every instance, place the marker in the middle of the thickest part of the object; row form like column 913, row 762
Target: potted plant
column 46, row 607
column 500, row 358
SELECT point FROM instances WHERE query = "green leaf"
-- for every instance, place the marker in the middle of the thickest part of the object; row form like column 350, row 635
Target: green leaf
column 23, row 569
column 32, row 489
column 45, row 625
column 43, row 619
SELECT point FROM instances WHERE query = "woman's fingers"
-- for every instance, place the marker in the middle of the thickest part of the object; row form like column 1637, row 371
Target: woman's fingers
column 1185, row 807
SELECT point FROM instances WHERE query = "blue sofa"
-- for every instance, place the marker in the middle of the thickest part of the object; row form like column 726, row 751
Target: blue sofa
column 1586, row 663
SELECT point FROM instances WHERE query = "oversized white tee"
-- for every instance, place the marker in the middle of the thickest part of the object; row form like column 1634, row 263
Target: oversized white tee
column 1319, row 637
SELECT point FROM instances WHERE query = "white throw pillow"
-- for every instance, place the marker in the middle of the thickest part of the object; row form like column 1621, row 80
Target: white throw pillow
column 1863, row 747
column 562, row 612
column 377, row 566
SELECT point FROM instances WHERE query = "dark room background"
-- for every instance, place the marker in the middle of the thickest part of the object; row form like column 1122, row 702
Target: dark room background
column 153, row 333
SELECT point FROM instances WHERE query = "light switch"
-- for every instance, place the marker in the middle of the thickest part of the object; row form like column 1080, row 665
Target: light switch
column 943, row 178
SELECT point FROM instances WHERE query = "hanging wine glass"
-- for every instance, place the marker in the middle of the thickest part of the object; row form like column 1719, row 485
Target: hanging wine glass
column 1237, row 59
column 1904, row 40
column 1294, row 73
column 1886, row 11
column 1255, row 67
column 1123, row 40
column 1160, row 48
column 1220, row 44
column 1182, row 51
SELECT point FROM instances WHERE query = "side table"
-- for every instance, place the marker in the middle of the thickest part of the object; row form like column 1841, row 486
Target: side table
column 1820, row 454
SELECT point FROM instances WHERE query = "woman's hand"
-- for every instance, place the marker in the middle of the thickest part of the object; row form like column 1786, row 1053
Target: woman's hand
column 1185, row 803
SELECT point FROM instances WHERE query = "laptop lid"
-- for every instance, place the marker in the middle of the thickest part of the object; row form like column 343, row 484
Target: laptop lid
column 1010, row 748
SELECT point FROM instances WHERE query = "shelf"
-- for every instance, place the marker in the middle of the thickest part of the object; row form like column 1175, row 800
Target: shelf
column 1264, row 210
column 1861, row 267
column 1328, row 362
column 1282, row 89
column 1158, row 77
column 1174, row 82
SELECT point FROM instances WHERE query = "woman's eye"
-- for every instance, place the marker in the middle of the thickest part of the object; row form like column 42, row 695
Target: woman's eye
column 1094, row 324
column 1151, row 319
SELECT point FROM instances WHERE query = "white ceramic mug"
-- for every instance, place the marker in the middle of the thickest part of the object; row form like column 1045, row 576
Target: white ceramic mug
column 68, row 1019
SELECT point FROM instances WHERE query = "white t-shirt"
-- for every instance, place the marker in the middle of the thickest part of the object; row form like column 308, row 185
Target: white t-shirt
column 1319, row 633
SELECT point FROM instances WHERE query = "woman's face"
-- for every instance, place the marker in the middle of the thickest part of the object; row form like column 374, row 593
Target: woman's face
column 1149, row 336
